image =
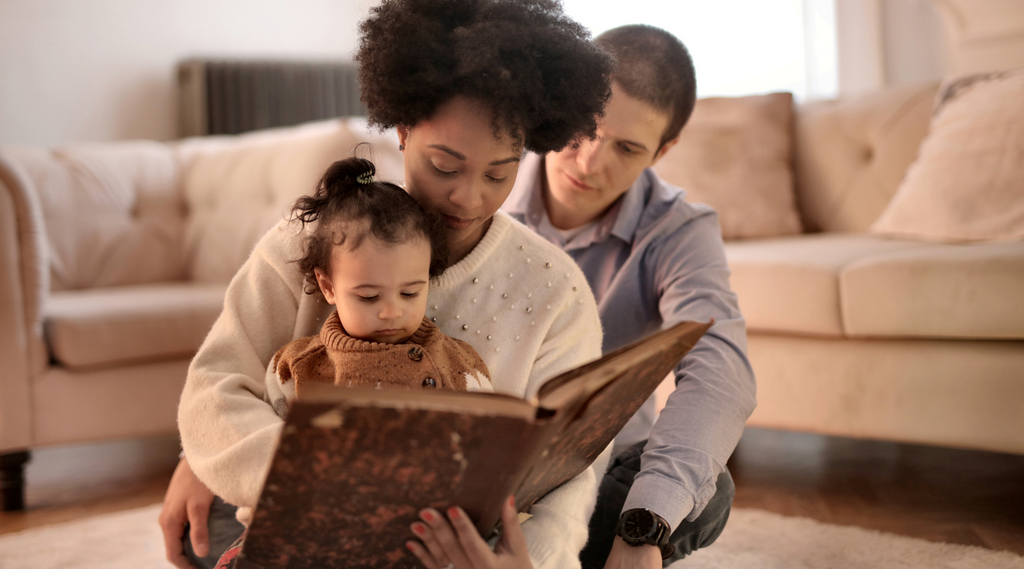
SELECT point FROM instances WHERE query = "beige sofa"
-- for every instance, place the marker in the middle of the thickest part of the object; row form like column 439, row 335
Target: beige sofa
column 115, row 257
column 115, row 260
column 862, row 336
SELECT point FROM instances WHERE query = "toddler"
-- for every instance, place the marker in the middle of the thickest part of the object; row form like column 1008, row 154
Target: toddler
column 371, row 252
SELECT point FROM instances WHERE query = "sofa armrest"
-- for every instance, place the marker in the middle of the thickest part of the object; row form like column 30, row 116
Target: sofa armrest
column 24, row 285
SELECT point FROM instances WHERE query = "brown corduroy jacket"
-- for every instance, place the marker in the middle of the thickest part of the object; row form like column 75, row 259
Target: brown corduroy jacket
column 428, row 359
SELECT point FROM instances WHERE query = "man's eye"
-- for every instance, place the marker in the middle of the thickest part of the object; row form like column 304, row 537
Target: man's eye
column 627, row 149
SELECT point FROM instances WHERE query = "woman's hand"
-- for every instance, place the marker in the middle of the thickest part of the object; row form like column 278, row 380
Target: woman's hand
column 458, row 545
column 187, row 500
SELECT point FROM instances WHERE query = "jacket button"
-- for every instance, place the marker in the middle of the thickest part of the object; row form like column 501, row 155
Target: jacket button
column 429, row 382
column 416, row 353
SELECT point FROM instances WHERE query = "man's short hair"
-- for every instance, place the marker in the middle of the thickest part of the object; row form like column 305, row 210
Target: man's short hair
column 653, row 66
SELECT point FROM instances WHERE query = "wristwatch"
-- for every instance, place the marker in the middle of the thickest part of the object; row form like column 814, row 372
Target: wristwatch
column 643, row 527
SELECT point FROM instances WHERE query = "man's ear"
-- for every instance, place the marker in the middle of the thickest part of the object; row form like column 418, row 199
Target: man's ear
column 326, row 286
column 663, row 150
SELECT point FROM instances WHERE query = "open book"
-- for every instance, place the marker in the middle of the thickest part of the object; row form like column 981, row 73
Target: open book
column 355, row 466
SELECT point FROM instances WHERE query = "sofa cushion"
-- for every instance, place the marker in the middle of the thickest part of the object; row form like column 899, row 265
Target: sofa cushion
column 238, row 187
column 113, row 211
column 791, row 284
column 851, row 154
column 736, row 155
column 105, row 327
column 938, row 291
column 968, row 182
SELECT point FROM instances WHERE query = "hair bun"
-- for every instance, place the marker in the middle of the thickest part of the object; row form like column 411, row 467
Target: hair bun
column 349, row 173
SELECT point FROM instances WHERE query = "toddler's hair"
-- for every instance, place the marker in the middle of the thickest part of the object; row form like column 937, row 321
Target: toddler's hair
column 349, row 206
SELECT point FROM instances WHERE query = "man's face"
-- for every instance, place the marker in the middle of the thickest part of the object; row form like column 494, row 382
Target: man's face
column 583, row 183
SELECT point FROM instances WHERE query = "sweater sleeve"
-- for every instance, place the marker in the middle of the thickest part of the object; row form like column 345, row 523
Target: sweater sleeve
column 279, row 394
column 228, row 430
column 557, row 531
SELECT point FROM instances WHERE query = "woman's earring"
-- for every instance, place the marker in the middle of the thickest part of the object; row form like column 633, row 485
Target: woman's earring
column 401, row 147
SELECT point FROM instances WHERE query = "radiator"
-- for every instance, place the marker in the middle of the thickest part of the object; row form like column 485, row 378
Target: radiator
column 229, row 97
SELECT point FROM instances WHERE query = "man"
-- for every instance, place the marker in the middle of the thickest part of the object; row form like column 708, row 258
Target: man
column 652, row 260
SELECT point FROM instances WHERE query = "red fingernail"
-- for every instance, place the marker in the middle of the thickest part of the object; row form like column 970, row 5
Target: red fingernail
column 410, row 546
column 418, row 529
column 453, row 513
column 512, row 501
column 427, row 515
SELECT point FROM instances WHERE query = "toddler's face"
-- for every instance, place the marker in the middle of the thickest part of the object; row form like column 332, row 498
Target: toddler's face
column 380, row 289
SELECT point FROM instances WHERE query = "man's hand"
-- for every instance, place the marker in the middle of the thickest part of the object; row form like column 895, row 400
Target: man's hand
column 625, row 556
column 187, row 500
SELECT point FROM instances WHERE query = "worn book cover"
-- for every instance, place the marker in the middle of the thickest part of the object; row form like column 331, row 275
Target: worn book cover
column 354, row 466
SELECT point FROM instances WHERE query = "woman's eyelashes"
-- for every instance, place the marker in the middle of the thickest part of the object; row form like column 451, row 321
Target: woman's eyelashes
column 445, row 173
column 451, row 173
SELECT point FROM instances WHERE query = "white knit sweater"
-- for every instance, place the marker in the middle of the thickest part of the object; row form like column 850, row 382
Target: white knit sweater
column 521, row 302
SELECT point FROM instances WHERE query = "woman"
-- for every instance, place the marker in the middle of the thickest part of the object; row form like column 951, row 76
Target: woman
column 469, row 84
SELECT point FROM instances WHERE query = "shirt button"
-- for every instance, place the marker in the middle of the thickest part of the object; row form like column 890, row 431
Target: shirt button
column 416, row 354
column 429, row 382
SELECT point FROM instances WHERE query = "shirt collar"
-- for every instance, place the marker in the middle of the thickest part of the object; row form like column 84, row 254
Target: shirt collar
column 621, row 220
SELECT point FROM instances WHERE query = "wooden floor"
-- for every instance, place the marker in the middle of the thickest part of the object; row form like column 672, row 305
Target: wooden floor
column 938, row 494
column 956, row 496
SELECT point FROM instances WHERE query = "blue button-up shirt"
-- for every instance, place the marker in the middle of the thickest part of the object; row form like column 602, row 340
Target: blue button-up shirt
column 654, row 260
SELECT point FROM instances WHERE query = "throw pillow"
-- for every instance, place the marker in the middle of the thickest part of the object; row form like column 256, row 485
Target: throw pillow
column 967, row 183
column 736, row 155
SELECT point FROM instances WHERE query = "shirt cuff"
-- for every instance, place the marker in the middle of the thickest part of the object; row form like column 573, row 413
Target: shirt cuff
column 662, row 496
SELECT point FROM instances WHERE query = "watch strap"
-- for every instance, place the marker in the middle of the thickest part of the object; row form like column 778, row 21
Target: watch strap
column 659, row 540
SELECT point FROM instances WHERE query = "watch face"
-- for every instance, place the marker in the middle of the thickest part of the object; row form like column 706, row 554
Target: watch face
column 638, row 524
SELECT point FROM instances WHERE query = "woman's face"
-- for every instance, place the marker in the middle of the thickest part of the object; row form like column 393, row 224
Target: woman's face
column 455, row 166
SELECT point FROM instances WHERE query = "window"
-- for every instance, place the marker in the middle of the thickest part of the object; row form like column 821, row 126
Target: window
column 739, row 47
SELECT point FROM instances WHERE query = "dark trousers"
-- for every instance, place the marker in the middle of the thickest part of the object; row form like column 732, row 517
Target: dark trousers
column 687, row 537
column 224, row 530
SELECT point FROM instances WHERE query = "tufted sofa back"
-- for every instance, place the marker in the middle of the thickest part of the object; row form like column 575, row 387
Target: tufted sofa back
column 237, row 187
column 127, row 213
column 113, row 212
column 851, row 155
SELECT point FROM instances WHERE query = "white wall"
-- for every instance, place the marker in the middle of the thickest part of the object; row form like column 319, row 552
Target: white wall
column 84, row 70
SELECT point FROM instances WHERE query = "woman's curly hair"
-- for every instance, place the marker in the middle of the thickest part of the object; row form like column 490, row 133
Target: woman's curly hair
column 349, row 206
column 546, row 83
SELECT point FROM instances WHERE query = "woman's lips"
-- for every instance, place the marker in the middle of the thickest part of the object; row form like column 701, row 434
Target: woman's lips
column 457, row 222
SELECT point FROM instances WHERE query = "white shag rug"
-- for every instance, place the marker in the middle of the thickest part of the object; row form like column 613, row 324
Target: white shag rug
column 753, row 539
